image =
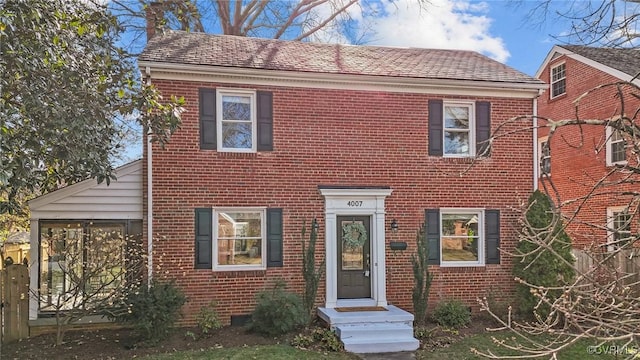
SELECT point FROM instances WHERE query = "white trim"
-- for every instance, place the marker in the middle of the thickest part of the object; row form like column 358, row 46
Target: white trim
column 263, row 241
column 471, row 105
column 336, row 204
column 609, row 149
column 34, row 268
column 251, row 94
column 481, row 237
column 231, row 75
column 535, row 141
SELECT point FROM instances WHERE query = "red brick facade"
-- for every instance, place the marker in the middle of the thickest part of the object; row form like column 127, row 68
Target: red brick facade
column 578, row 154
column 342, row 138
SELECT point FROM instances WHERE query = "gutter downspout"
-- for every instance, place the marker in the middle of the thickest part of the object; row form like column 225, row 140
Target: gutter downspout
column 536, row 161
column 149, row 195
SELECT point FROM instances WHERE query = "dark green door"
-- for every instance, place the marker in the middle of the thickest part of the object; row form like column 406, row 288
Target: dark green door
column 354, row 257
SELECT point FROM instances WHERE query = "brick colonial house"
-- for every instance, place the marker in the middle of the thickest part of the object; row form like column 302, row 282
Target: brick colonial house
column 577, row 158
column 370, row 142
column 277, row 133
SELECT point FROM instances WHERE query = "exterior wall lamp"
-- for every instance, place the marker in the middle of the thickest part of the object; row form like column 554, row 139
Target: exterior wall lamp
column 394, row 225
column 314, row 224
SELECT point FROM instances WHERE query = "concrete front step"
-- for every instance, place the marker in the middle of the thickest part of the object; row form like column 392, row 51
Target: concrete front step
column 373, row 331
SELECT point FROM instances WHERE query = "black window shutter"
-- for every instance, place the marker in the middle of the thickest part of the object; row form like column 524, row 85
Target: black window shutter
column 492, row 237
column 204, row 238
column 207, row 101
column 432, row 220
column 274, row 238
column 265, row 120
column 483, row 128
column 435, row 127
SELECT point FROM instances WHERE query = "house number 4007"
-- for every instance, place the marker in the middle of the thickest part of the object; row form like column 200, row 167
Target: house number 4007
column 354, row 203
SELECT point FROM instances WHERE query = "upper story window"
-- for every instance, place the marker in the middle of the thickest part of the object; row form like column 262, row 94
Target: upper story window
column 558, row 80
column 544, row 156
column 461, row 237
column 236, row 120
column 616, row 153
column 239, row 239
column 619, row 227
column 458, row 129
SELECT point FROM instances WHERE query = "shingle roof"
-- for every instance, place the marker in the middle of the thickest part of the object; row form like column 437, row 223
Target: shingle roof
column 179, row 47
column 625, row 60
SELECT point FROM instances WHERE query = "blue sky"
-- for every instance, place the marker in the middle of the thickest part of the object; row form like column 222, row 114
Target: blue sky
column 498, row 29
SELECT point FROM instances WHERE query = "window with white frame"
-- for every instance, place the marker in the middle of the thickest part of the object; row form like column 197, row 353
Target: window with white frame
column 459, row 129
column 558, row 80
column 544, row 156
column 618, row 227
column 236, row 120
column 461, row 237
column 239, row 239
column 616, row 145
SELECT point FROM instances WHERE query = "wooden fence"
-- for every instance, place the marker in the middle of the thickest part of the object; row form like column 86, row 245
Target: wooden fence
column 14, row 294
column 623, row 265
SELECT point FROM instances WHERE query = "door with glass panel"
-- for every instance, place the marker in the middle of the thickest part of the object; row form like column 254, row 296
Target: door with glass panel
column 354, row 257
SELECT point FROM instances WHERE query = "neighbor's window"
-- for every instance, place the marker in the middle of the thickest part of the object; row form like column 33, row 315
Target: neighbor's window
column 461, row 237
column 236, row 122
column 545, row 156
column 239, row 239
column 459, row 137
column 615, row 146
column 558, row 80
column 619, row 227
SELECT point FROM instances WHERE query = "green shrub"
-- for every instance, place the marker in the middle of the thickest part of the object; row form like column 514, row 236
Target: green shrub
column 207, row 319
column 534, row 263
column 152, row 311
column 277, row 311
column 452, row 314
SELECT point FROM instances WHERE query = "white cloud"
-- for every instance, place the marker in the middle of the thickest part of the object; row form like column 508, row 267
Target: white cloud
column 443, row 24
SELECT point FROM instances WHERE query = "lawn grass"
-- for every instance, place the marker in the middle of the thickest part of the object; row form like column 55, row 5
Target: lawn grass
column 461, row 350
column 458, row 350
column 275, row 352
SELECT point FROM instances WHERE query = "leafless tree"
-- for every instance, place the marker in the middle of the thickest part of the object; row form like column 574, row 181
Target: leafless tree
column 321, row 20
column 601, row 306
column 611, row 23
column 89, row 274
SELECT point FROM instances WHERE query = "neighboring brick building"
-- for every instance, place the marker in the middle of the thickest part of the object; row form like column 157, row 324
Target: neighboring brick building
column 583, row 162
column 279, row 133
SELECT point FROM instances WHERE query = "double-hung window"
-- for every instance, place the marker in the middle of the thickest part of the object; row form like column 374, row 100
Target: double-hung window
column 458, row 129
column 239, row 239
column 619, row 227
column 616, row 153
column 236, row 120
column 558, row 80
column 461, row 237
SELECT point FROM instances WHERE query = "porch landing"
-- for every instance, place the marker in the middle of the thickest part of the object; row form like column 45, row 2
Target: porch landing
column 372, row 331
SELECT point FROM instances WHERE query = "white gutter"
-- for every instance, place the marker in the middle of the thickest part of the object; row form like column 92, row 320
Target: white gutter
column 149, row 195
column 536, row 164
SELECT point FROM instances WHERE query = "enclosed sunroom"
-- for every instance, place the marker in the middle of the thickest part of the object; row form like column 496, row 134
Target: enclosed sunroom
column 67, row 224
